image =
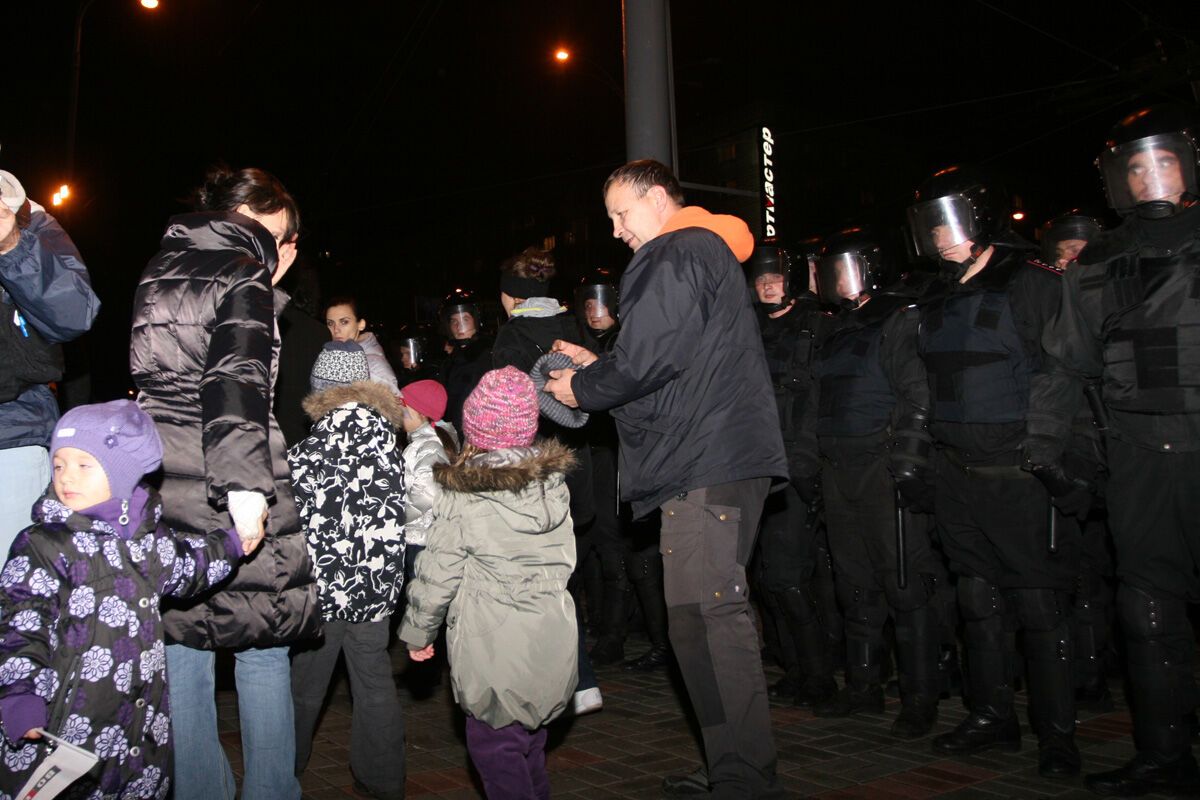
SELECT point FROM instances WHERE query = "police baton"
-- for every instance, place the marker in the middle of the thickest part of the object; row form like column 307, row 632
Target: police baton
column 901, row 544
column 1052, row 530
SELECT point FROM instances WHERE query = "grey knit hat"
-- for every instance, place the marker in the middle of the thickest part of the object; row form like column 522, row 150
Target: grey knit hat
column 338, row 364
column 550, row 407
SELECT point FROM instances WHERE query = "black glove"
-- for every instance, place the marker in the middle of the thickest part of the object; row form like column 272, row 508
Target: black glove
column 916, row 495
column 1072, row 496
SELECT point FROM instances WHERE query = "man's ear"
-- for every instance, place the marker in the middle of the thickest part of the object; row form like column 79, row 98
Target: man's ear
column 659, row 195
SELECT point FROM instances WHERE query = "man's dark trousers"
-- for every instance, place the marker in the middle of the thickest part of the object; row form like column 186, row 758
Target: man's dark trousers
column 707, row 539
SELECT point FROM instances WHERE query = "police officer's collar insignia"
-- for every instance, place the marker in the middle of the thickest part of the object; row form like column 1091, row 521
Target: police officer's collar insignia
column 1034, row 261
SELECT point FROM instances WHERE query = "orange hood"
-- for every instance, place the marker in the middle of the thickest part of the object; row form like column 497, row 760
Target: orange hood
column 732, row 229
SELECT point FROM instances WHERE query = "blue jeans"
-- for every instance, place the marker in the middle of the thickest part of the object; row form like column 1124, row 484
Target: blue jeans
column 24, row 474
column 264, row 690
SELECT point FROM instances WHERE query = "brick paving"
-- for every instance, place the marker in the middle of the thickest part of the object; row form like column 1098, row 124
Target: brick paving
column 643, row 734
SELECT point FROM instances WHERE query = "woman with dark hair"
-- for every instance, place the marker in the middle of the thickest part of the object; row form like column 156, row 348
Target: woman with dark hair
column 203, row 355
column 347, row 325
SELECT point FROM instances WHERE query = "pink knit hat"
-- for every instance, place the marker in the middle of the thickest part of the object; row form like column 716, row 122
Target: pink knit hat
column 502, row 410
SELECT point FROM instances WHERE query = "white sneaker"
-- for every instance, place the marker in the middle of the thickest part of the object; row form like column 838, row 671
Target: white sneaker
column 587, row 701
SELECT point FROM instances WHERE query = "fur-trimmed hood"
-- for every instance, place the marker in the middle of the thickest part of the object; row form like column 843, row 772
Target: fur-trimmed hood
column 509, row 470
column 369, row 393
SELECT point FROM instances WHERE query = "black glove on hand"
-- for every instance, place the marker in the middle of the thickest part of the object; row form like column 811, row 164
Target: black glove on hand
column 1071, row 496
column 916, row 495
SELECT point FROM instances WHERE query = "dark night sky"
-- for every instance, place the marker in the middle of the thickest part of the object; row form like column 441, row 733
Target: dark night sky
column 426, row 139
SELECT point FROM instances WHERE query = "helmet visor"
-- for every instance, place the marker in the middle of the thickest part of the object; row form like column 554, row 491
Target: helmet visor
column 461, row 320
column 939, row 224
column 841, row 276
column 413, row 351
column 1063, row 241
column 596, row 306
column 1161, row 167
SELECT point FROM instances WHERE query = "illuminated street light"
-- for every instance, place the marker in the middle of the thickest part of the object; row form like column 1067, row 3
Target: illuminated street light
column 64, row 191
column 562, row 54
column 1018, row 215
column 150, row 4
column 56, row 200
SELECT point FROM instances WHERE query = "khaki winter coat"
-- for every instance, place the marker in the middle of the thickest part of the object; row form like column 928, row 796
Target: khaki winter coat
column 495, row 568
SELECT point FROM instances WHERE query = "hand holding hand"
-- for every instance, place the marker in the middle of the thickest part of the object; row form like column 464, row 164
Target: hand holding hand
column 559, row 385
column 424, row 654
column 249, row 513
column 580, row 355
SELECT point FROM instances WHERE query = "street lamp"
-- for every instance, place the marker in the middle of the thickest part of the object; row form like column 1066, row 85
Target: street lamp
column 564, row 55
column 74, row 110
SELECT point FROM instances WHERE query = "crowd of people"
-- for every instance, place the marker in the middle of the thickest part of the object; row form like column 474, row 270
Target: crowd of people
column 969, row 466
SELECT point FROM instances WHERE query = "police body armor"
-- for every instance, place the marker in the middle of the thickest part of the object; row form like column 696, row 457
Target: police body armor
column 979, row 367
column 788, row 346
column 1152, row 332
column 856, row 398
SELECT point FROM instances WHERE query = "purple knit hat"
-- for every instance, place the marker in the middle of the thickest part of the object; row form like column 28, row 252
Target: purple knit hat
column 502, row 410
column 119, row 435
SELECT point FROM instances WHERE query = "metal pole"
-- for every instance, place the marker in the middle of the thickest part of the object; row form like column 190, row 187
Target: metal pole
column 74, row 108
column 648, row 103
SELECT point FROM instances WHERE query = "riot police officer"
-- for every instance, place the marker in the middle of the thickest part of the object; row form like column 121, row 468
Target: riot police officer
column 414, row 353
column 469, row 352
column 1129, row 314
column 1062, row 240
column 871, row 418
column 789, row 316
column 981, row 327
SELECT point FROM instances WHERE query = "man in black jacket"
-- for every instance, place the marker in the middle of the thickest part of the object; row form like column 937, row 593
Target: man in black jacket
column 1127, row 324
column 689, row 388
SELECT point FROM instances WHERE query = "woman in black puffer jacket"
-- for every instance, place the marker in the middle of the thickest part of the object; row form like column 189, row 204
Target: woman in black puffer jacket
column 203, row 355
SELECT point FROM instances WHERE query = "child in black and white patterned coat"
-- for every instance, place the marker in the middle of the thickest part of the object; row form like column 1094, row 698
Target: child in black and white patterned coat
column 348, row 478
column 81, row 638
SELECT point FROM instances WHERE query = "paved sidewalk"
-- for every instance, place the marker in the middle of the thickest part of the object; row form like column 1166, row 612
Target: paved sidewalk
column 642, row 734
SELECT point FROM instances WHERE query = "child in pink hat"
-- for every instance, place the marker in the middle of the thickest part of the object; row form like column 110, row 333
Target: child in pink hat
column 496, row 560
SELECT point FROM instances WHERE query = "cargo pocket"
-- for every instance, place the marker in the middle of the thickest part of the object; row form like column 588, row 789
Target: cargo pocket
column 699, row 549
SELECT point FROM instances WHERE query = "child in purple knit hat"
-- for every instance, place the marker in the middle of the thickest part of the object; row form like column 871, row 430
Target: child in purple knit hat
column 497, row 557
column 81, row 642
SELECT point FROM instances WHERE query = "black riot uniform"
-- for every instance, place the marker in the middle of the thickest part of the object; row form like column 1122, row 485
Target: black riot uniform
column 981, row 327
column 1129, row 320
column 871, row 417
column 1062, row 239
column 627, row 549
column 788, row 550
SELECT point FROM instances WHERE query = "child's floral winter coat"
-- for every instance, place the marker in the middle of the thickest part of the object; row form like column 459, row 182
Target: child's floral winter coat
column 81, row 639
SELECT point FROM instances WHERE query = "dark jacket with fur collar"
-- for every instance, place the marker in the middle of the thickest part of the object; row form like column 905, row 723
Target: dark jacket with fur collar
column 348, row 477
column 495, row 568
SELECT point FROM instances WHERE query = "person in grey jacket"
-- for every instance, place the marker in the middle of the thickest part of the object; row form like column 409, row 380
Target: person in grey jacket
column 495, row 567
column 48, row 298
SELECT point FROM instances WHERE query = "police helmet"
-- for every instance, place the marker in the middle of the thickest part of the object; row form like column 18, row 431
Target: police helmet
column 596, row 300
column 852, row 263
column 1064, row 236
column 953, row 206
column 1150, row 160
column 459, row 316
column 770, row 268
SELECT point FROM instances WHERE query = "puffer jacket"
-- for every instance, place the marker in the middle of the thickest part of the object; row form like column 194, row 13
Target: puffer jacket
column 203, row 356
column 378, row 366
column 348, row 477
column 424, row 452
column 495, row 568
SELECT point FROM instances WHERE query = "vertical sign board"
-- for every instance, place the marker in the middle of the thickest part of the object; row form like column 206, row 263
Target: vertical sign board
column 766, row 178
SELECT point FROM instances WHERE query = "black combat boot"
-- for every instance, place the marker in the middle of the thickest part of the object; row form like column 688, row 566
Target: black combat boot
column 918, row 653
column 991, row 722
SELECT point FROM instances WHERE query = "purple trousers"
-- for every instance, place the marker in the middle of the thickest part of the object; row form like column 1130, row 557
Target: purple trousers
column 511, row 760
